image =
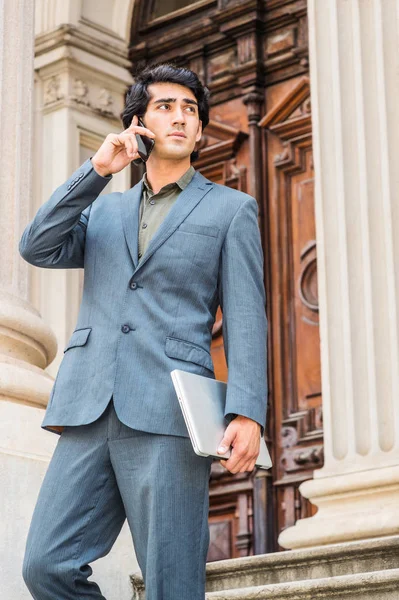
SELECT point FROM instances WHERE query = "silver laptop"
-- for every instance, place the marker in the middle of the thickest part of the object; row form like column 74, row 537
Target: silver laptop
column 202, row 402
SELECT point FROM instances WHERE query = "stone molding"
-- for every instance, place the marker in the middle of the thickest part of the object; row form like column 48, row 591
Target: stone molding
column 70, row 81
column 107, row 26
column 23, row 333
column 112, row 50
column 70, row 89
column 27, row 346
column 355, row 506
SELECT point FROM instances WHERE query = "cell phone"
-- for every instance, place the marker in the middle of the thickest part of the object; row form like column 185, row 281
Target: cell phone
column 145, row 146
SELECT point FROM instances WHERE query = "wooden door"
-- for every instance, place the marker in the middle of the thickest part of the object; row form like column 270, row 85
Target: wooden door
column 252, row 55
column 297, row 409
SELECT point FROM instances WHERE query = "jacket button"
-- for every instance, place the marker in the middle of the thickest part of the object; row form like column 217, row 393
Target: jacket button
column 133, row 285
column 144, row 225
column 125, row 328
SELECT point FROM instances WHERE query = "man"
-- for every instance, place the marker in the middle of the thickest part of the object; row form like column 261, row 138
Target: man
column 158, row 260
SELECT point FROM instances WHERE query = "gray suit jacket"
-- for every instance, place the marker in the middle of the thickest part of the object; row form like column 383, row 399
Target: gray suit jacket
column 140, row 320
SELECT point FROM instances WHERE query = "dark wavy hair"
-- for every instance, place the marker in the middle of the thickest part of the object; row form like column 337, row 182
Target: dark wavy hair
column 138, row 97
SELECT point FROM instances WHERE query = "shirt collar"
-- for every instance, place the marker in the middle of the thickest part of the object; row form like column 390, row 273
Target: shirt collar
column 182, row 182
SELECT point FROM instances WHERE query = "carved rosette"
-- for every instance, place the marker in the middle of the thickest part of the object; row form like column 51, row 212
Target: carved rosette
column 52, row 91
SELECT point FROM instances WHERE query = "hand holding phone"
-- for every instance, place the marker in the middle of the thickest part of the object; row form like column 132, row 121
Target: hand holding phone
column 120, row 149
column 144, row 146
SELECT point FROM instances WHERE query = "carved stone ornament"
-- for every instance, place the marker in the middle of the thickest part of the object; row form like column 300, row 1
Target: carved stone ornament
column 52, row 91
column 105, row 102
column 81, row 92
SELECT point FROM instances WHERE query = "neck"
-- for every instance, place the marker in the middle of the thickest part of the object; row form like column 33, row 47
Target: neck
column 162, row 172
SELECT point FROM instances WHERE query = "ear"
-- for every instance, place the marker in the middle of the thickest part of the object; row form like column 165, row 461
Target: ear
column 199, row 132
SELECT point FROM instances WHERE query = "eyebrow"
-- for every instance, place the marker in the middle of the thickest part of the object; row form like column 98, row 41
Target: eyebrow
column 169, row 100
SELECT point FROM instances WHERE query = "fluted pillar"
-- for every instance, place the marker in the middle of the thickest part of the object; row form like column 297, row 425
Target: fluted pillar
column 354, row 60
column 27, row 344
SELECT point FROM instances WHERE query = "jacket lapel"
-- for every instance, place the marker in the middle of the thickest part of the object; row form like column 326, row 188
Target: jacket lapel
column 130, row 207
column 185, row 203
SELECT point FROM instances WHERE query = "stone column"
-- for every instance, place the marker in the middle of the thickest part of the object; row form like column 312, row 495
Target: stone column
column 27, row 344
column 354, row 60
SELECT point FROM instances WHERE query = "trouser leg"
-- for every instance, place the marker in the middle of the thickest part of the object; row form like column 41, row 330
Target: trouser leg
column 78, row 516
column 165, row 490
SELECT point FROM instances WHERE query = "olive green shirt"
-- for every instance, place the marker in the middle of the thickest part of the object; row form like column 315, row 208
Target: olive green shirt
column 155, row 207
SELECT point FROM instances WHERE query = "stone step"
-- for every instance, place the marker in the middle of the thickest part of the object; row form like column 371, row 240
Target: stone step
column 319, row 563
column 335, row 571
column 380, row 585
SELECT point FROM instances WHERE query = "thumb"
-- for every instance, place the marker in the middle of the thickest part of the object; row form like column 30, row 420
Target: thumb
column 226, row 441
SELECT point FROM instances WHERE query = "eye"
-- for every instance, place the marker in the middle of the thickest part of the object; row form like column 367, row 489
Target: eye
column 190, row 108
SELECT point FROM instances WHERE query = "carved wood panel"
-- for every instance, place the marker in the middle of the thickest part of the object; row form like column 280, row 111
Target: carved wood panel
column 295, row 339
column 231, row 515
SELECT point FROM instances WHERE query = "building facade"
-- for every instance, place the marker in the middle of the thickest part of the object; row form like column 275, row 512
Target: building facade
column 304, row 118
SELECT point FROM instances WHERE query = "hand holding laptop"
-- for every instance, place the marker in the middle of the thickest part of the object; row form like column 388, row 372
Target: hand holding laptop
column 202, row 401
column 243, row 434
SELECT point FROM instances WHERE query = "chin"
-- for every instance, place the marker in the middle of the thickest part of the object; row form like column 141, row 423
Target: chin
column 174, row 154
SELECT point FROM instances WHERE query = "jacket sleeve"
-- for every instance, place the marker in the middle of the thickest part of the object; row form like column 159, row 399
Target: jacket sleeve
column 55, row 238
column 243, row 303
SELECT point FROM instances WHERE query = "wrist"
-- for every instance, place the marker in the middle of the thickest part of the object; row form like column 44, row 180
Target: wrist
column 100, row 170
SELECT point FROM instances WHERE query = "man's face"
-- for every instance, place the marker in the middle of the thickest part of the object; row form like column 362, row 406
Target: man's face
column 172, row 108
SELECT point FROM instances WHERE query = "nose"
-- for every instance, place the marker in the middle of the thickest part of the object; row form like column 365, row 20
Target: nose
column 179, row 116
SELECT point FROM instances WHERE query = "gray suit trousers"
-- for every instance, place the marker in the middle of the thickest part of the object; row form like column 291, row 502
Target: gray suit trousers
column 99, row 475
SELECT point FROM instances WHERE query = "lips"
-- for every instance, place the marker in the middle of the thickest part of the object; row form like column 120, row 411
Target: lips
column 178, row 134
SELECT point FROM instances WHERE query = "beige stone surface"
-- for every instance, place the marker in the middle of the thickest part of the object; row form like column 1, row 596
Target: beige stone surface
column 367, row 569
column 354, row 68
column 370, row 586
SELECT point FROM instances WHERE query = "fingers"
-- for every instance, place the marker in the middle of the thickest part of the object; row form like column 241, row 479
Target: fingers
column 228, row 438
column 134, row 127
column 245, row 446
column 129, row 142
column 248, row 466
column 239, row 461
column 131, row 147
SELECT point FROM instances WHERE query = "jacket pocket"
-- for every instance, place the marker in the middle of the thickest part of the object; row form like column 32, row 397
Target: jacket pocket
column 78, row 338
column 188, row 351
column 209, row 230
